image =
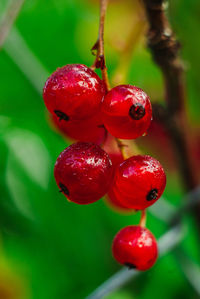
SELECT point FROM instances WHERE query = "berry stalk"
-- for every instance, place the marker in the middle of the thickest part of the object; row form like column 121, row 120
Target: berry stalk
column 99, row 45
column 127, row 148
column 143, row 218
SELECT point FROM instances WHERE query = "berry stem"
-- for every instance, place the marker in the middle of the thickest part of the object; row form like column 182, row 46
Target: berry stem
column 122, row 147
column 143, row 218
column 99, row 45
column 127, row 148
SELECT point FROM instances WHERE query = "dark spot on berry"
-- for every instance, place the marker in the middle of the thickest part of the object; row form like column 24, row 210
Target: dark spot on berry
column 136, row 111
column 101, row 126
column 152, row 195
column 130, row 266
column 61, row 115
column 63, row 189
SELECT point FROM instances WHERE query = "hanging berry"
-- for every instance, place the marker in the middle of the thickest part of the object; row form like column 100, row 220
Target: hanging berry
column 83, row 172
column 73, row 92
column 135, row 247
column 126, row 112
column 139, row 182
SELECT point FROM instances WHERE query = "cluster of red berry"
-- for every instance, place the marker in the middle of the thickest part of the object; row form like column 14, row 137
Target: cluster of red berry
column 83, row 109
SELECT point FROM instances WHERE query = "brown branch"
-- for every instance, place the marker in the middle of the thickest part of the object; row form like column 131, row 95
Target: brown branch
column 165, row 51
column 179, row 142
column 164, row 48
column 9, row 18
column 99, row 45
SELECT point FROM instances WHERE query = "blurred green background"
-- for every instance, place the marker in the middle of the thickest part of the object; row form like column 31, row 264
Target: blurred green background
column 50, row 248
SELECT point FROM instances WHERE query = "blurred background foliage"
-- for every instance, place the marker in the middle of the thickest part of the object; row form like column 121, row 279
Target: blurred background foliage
column 51, row 248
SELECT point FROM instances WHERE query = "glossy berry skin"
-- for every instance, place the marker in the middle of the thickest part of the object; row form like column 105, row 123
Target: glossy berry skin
column 126, row 112
column 117, row 205
column 139, row 182
column 73, row 92
column 111, row 147
column 87, row 130
column 83, row 172
column 116, row 158
column 135, row 247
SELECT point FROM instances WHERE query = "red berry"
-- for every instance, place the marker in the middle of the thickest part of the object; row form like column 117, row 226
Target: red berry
column 114, row 203
column 116, row 158
column 126, row 112
column 139, row 182
column 135, row 247
column 83, row 172
column 87, row 130
column 73, row 92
